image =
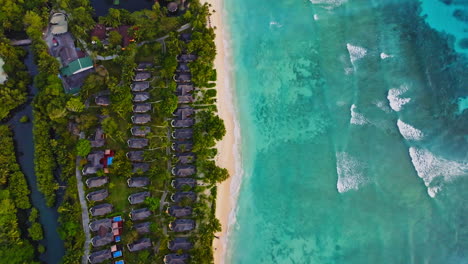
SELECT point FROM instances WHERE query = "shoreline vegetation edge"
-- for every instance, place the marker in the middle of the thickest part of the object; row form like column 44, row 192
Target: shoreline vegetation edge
column 227, row 147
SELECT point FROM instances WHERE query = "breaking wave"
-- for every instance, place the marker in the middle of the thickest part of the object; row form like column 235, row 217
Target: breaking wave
column 350, row 172
column 393, row 96
column 355, row 52
column 435, row 170
column 357, row 118
column 409, row 132
column 329, row 4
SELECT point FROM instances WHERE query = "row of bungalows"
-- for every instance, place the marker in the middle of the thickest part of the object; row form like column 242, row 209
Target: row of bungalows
column 140, row 119
column 108, row 231
column 184, row 169
column 137, row 145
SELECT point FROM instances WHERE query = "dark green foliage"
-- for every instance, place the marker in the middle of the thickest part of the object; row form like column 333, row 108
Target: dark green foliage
column 213, row 174
column 11, row 176
column 24, row 119
column 35, row 231
column 12, row 247
column 83, row 147
column 207, row 130
column 13, row 91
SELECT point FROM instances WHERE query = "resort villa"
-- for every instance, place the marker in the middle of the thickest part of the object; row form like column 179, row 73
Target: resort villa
column 75, row 65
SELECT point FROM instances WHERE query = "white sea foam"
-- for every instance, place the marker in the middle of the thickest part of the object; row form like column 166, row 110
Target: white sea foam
column 357, row 118
column 274, row 23
column 435, row 170
column 350, row 172
column 355, row 52
column 409, row 132
column 393, row 96
column 316, row 17
column 328, row 4
column 384, row 56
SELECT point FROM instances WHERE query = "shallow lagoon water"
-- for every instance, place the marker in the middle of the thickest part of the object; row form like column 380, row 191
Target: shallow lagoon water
column 353, row 141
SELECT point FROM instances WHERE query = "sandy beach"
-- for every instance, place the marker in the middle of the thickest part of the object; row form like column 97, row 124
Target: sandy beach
column 226, row 157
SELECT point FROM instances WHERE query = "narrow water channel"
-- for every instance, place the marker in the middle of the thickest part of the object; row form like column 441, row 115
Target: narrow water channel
column 23, row 136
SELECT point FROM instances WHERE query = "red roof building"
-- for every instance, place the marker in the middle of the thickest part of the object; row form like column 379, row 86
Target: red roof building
column 99, row 31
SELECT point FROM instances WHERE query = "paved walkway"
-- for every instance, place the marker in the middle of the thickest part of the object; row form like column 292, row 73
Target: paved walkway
column 84, row 210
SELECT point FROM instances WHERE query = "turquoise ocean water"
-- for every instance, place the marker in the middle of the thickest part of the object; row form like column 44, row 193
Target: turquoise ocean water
column 354, row 131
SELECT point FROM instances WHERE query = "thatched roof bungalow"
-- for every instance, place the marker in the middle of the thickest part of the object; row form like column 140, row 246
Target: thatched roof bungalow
column 140, row 131
column 179, row 196
column 140, row 214
column 140, row 119
column 176, row 259
column 183, row 170
column 179, row 183
column 100, row 256
column 102, row 100
column 99, row 241
column 183, row 77
column 182, row 225
column 136, row 155
column 185, row 112
column 141, row 108
column 140, row 97
column 97, row 196
column 178, row 123
column 184, row 133
column 95, row 182
column 137, row 143
column 143, row 66
column 142, row 76
column 138, row 198
column 182, row 147
column 140, row 167
column 185, row 158
column 97, row 224
column 98, row 140
column 179, row 211
column 140, row 244
column 139, row 86
column 186, row 57
column 138, row 182
column 101, row 209
column 182, row 67
column 184, row 89
column 142, row 228
column 180, row 243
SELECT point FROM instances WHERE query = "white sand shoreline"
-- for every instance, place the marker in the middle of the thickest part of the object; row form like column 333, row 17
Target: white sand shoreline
column 227, row 148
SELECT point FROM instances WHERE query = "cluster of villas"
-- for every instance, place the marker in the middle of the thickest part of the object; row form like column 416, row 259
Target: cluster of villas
column 106, row 231
column 109, row 230
column 75, row 63
column 184, row 170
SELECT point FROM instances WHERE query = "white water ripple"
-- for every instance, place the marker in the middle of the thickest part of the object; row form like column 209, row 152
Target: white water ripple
column 329, row 4
column 435, row 170
column 393, row 96
column 409, row 132
column 357, row 118
column 350, row 172
column 355, row 52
